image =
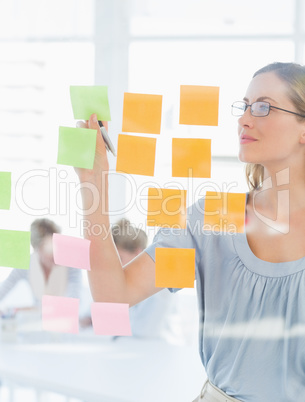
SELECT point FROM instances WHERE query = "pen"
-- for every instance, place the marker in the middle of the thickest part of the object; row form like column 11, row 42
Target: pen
column 108, row 143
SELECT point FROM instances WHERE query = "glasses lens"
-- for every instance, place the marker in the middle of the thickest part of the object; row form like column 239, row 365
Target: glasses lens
column 238, row 108
column 260, row 109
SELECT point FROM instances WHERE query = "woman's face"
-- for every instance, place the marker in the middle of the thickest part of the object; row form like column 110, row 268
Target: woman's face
column 275, row 140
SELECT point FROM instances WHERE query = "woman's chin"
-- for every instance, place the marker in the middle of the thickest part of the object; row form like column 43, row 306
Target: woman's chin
column 246, row 158
column 242, row 158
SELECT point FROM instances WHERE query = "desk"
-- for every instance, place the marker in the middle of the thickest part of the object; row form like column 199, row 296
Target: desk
column 122, row 370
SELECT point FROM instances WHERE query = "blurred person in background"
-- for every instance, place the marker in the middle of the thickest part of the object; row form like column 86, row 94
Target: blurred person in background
column 43, row 276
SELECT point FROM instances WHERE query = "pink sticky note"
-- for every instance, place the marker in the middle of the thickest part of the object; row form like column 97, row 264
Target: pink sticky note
column 71, row 251
column 111, row 319
column 60, row 314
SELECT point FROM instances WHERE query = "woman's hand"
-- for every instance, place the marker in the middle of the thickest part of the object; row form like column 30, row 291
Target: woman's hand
column 101, row 163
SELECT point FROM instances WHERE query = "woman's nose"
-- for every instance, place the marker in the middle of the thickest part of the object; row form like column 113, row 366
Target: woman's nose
column 246, row 119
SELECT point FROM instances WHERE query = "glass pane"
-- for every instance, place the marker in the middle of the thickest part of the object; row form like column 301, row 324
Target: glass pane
column 42, row 18
column 161, row 67
column 34, row 102
column 302, row 58
column 34, row 83
column 218, row 17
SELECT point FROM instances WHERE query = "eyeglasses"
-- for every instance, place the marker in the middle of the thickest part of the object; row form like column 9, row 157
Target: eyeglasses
column 257, row 109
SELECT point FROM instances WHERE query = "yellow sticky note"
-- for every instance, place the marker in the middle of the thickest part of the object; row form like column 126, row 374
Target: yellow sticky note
column 224, row 212
column 175, row 267
column 199, row 105
column 142, row 113
column 136, row 155
column 191, row 157
column 166, row 208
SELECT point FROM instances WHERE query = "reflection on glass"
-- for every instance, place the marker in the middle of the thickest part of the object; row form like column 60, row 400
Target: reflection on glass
column 219, row 17
column 45, row 19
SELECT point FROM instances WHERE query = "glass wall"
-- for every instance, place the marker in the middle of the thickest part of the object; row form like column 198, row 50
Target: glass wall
column 144, row 46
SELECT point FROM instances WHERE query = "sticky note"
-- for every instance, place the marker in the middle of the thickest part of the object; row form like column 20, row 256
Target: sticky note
column 191, row 157
column 5, row 190
column 111, row 319
column 76, row 147
column 224, row 212
column 142, row 113
column 175, row 267
column 15, row 249
column 60, row 314
column 136, row 155
column 71, row 251
column 166, row 208
column 199, row 105
column 87, row 100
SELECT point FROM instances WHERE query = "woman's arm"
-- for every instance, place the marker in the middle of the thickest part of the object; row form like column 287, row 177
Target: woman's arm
column 109, row 282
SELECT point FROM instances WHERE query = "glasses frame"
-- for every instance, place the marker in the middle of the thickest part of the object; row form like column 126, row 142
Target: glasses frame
column 270, row 107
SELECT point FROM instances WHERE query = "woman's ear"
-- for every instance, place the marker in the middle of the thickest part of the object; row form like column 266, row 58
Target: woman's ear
column 302, row 137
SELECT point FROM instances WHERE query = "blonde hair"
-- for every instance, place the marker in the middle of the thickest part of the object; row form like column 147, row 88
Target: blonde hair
column 128, row 237
column 254, row 175
column 293, row 75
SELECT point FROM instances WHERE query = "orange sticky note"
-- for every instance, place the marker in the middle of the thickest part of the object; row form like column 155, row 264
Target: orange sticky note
column 166, row 208
column 224, row 212
column 191, row 157
column 175, row 267
column 142, row 113
column 136, row 155
column 199, row 105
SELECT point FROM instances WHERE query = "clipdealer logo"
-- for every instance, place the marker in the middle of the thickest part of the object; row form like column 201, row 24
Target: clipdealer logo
column 64, row 197
column 61, row 195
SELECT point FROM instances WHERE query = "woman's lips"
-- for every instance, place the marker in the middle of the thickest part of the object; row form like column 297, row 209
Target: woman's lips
column 246, row 139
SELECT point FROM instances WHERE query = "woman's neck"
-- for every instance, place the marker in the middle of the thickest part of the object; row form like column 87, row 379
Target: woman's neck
column 284, row 187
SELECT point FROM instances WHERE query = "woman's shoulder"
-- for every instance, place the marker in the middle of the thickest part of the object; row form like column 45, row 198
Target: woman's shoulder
column 195, row 211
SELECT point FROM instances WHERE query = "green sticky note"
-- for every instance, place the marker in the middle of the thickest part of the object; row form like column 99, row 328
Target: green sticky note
column 87, row 100
column 15, row 249
column 76, row 147
column 5, row 190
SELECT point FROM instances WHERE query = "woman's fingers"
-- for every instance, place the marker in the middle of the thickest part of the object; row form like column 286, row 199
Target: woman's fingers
column 82, row 124
column 101, row 160
column 105, row 124
column 93, row 123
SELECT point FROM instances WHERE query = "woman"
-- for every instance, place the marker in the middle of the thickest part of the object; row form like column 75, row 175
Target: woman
column 251, row 286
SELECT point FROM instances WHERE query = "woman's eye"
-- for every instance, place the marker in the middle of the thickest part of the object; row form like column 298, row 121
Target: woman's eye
column 263, row 108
